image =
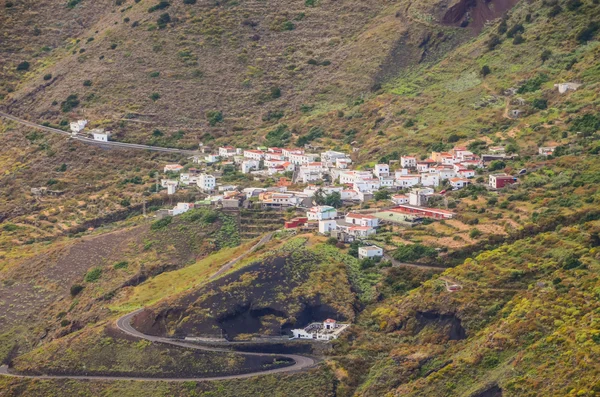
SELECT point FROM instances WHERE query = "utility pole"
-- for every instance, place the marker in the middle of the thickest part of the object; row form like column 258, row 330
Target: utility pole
column 144, row 207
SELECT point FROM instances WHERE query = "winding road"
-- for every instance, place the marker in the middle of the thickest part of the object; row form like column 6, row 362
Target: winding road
column 90, row 141
column 124, row 325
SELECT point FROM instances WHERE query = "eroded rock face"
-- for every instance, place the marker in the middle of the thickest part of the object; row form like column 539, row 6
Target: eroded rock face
column 449, row 324
column 475, row 13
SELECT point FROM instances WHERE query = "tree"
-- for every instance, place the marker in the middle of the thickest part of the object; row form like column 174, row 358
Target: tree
column 334, row 200
column 23, row 66
column 485, row 70
column 214, row 117
column 163, row 20
column 319, row 197
column 545, row 55
column 382, row 194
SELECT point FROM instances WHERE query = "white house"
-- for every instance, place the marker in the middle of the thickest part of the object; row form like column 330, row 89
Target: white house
column 400, row 173
column 546, row 150
column 459, row 183
column 370, row 251
column 180, row 208
column 386, row 181
column 249, row 165
column 321, row 212
column 206, row 182
column 381, row 170
column 171, row 187
column 173, row 168
column 325, row 331
column 288, row 152
column 254, row 154
column 430, row 179
column 362, row 219
column 408, row 161
column 564, row 87
column 465, row 173
column 227, row 151
column 361, row 231
column 446, row 173
column 78, row 126
column 400, row 199
column 100, row 135
column 343, row 163
column 302, row 159
column 326, row 226
column 212, row 158
column 419, row 197
column 408, row 181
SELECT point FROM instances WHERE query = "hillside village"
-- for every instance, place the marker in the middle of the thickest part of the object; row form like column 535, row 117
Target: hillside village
column 331, row 196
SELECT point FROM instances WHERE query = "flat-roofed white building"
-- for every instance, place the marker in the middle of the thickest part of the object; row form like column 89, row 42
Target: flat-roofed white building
column 370, row 251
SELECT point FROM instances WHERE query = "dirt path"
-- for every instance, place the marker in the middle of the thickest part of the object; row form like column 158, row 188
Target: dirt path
column 124, row 324
column 265, row 239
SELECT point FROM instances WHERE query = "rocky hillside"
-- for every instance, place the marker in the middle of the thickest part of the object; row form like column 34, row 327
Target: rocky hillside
column 213, row 69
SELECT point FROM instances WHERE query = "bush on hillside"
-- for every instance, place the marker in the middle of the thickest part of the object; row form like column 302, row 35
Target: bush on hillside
column 586, row 124
column 214, row 117
column 23, row 66
column 485, row 70
column 76, row 289
column 533, row 84
column 70, row 103
column 161, row 223
column 160, row 6
column 413, row 252
column 163, row 20
column 93, row 275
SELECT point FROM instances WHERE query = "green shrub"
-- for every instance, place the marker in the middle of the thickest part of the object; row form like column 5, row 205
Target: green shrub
column 214, row 117
column 163, row 20
column 413, row 252
column 485, row 70
column 76, row 289
column 313, row 133
column 278, row 137
column 533, row 84
column 572, row 5
column 587, row 33
column 73, row 3
column 160, row 6
column 121, row 265
column 518, row 39
column 545, row 55
column 161, row 223
column 23, row 66
column 515, row 30
column 475, row 233
column 586, row 124
column 554, row 11
column 189, row 1
column 47, row 76
column 155, row 96
column 275, row 92
column 540, row 103
column 70, row 103
column 10, row 227
column 87, row 83
column 93, row 275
